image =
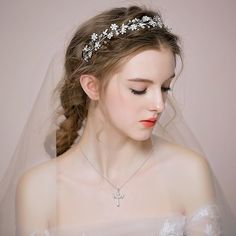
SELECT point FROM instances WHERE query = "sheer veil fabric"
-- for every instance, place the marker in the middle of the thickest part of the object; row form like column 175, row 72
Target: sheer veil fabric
column 37, row 145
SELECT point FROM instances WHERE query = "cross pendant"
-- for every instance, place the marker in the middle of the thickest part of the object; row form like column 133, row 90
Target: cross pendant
column 117, row 196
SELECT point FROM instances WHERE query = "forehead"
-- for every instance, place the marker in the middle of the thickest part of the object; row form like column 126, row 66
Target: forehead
column 149, row 64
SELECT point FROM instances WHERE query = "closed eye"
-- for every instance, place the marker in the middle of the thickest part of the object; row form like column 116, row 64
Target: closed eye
column 140, row 92
column 165, row 89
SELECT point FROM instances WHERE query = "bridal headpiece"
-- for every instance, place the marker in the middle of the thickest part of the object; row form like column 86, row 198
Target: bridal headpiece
column 114, row 30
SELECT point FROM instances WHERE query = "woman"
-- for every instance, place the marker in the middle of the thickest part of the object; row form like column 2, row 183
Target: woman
column 117, row 177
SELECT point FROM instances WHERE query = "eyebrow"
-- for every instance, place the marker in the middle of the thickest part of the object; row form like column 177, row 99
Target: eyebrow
column 147, row 80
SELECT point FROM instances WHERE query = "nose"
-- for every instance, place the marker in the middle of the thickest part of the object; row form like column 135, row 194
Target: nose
column 157, row 102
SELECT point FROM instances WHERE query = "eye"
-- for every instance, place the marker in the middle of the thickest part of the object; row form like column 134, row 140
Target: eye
column 165, row 89
column 138, row 92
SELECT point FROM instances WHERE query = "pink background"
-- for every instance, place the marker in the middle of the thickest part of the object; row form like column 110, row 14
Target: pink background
column 33, row 31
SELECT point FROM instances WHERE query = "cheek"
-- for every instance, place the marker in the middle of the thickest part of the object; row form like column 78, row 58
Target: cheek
column 122, row 107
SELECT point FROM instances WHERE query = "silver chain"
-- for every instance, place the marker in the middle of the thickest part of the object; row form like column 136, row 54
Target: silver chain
column 117, row 195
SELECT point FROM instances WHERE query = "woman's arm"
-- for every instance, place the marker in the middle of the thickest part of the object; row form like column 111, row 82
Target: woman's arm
column 199, row 199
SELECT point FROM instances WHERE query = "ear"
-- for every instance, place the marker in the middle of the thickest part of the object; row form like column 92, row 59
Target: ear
column 90, row 85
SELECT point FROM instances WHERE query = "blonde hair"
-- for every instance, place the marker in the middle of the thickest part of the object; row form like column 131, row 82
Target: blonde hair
column 74, row 101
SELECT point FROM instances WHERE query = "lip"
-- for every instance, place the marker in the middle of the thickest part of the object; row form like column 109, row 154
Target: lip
column 149, row 122
column 152, row 119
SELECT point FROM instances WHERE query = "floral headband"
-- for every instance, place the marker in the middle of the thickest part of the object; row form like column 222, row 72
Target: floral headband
column 114, row 30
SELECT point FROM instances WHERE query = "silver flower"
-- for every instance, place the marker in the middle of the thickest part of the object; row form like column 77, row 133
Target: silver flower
column 97, row 45
column 133, row 27
column 145, row 18
column 114, row 30
column 114, row 26
column 110, row 35
column 123, row 28
column 94, row 36
column 152, row 23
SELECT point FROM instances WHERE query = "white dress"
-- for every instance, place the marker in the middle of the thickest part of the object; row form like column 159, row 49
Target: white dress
column 203, row 222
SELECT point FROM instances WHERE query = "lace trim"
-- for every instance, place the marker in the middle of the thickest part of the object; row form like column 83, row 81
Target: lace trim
column 211, row 211
column 44, row 233
column 207, row 219
column 172, row 228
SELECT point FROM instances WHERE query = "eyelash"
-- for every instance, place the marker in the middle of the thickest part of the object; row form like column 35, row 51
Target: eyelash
column 137, row 92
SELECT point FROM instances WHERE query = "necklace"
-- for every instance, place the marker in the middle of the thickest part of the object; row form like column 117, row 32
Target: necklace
column 117, row 195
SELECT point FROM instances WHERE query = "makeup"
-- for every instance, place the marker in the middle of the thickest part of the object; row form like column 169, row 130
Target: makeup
column 149, row 122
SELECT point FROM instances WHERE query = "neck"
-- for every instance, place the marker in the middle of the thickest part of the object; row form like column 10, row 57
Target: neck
column 113, row 154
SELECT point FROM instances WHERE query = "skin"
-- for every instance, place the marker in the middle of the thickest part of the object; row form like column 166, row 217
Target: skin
column 120, row 113
column 84, row 198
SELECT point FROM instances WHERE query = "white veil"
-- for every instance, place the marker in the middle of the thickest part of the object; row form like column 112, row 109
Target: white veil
column 37, row 145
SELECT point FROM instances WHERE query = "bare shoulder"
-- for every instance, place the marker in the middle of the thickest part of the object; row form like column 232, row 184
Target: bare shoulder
column 38, row 177
column 36, row 196
column 182, row 158
column 192, row 179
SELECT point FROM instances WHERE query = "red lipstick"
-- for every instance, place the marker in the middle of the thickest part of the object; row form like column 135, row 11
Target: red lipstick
column 149, row 122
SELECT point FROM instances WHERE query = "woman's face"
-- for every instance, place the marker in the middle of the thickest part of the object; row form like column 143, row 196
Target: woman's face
column 136, row 93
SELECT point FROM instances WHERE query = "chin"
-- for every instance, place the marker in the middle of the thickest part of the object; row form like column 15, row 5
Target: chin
column 141, row 137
